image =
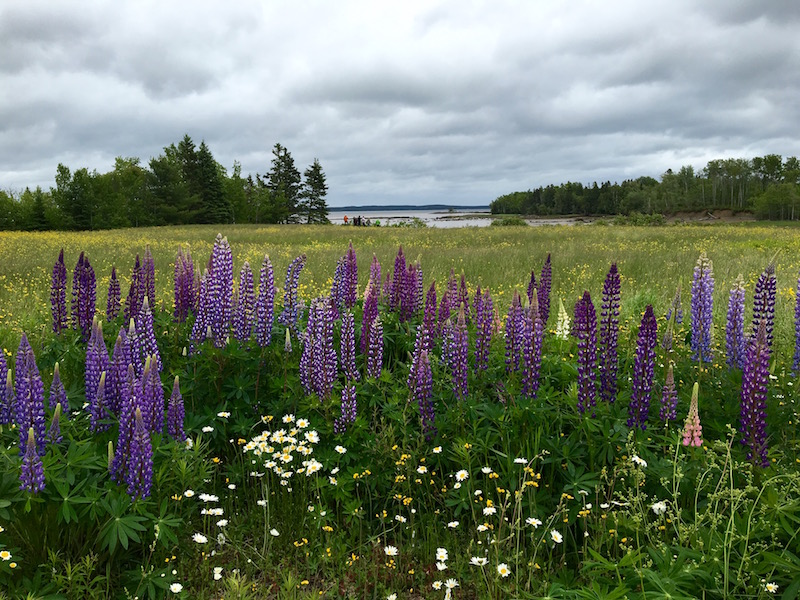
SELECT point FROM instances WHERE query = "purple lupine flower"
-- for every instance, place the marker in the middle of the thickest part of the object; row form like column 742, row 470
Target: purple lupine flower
column 338, row 284
column 32, row 476
column 265, row 304
column 411, row 291
column 8, row 408
column 98, row 409
column 422, row 392
column 5, row 400
column 176, row 413
column 184, row 284
column 545, row 283
column 149, row 276
column 58, row 295
column 139, row 475
column 29, row 392
column 84, row 296
column 532, row 287
column 532, row 348
column 669, row 398
column 118, row 371
column 735, row 342
column 54, row 432
column 398, row 280
column 609, row 333
column 375, row 349
column 764, row 301
column 152, row 404
column 131, row 402
column 796, row 361
column 429, row 324
column 484, row 316
column 133, row 302
column 370, row 308
column 351, row 278
column 348, row 347
column 349, row 410
column 144, row 341
column 97, row 362
column 585, row 329
column 463, row 297
column 643, row 370
column 201, row 322
column 220, row 291
column 444, row 311
column 702, row 308
column 113, row 296
column 674, row 316
column 459, row 351
column 753, row 408
column 318, row 360
column 243, row 319
column 514, row 333
column 289, row 315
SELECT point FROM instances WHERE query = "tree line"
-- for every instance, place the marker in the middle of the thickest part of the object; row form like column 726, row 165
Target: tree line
column 183, row 185
column 765, row 185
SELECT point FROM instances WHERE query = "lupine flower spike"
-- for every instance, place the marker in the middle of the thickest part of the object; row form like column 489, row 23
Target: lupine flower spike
column 175, row 413
column 5, row 400
column 674, row 317
column 113, row 297
column 735, row 343
column 585, row 329
column 643, row 370
column 669, row 398
column 692, row 430
column 609, row 333
column 58, row 295
column 753, row 411
column 563, row 325
column 140, row 461
column 702, row 308
column 796, row 362
column 764, row 301
column 32, row 476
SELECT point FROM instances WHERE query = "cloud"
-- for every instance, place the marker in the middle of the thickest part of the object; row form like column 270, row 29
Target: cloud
column 403, row 102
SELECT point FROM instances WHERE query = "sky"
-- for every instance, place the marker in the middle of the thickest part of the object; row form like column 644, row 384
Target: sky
column 412, row 102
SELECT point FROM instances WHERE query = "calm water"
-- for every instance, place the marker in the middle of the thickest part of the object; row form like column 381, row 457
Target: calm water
column 432, row 218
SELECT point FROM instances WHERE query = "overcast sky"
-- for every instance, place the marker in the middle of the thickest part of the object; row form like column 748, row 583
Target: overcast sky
column 402, row 102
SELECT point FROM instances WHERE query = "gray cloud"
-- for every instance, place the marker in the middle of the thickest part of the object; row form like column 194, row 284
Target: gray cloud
column 447, row 101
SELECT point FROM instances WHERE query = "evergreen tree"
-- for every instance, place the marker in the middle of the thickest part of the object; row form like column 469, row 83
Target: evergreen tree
column 283, row 183
column 216, row 207
column 313, row 207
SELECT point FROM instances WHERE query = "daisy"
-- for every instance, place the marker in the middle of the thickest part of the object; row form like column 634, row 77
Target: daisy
column 224, row 414
column 533, row 521
column 176, row 588
column 390, row 550
column 200, row 538
column 5, row 555
column 340, row 449
column 462, row 475
column 771, row 587
column 556, row 536
column 441, row 554
column 503, row 570
column 478, row 561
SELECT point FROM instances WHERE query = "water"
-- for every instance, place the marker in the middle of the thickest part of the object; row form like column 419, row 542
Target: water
column 432, row 218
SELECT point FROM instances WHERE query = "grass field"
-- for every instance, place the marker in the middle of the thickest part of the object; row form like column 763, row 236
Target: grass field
column 513, row 494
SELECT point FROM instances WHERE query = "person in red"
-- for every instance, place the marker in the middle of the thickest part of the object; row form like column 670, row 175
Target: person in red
column 345, row 219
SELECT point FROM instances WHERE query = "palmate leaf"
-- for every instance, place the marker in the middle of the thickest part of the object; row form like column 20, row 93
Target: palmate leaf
column 120, row 527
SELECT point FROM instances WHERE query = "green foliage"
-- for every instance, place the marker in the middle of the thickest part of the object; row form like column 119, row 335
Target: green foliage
column 510, row 222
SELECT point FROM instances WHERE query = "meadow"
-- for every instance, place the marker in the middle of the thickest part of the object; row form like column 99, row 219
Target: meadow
column 472, row 485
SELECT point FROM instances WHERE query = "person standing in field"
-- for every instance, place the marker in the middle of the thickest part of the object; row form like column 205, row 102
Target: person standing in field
column 345, row 219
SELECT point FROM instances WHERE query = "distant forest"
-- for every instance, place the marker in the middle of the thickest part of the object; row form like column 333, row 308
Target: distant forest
column 766, row 186
column 183, row 185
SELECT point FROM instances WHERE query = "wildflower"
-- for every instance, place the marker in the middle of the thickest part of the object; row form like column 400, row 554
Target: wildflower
column 514, row 332
column 545, row 283
column 217, row 573
column 274, row 532
column 562, row 325
column 764, row 302
column 452, row 524
column 753, row 411
column 462, row 475
column 175, row 413
column 534, row 522
column 139, row 473
column 478, row 561
column 5, row 555
column 291, row 305
column 609, row 332
column 437, row 450
column 224, row 414
column 176, row 588
column 437, row 585
column 556, row 536
column 375, row 348
column 521, row 460
column 771, row 587
column 441, row 554
column 503, row 570
column 635, row 459
column 643, row 370
column 450, row 584
column 669, row 397
column 484, row 316
column 702, row 308
column 440, row 566
column 265, row 302
column 391, row 597
column 422, row 391
column 390, row 550
column 659, row 507
column 585, row 329
column 32, row 476
column 58, row 295
column 199, row 538
column 222, row 523
column 422, row 469
column 735, row 342
column 482, row 527
column 533, row 336
column 489, row 510
column 692, row 430
column 244, row 315
column 29, row 392
column 207, row 429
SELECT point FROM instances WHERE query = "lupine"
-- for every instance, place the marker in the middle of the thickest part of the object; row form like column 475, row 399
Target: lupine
column 444, row 311
column 58, row 295
column 318, row 360
column 545, row 283
column 144, row 341
column 609, row 333
column 484, row 315
column 764, row 301
column 133, row 302
column 669, row 398
column 338, row 284
column 29, row 393
column 131, row 402
column 139, row 473
column 220, row 290
column 175, row 413
column 113, row 297
column 152, row 403
column 184, row 284
column 459, row 346
column 201, row 321
column 5, row 399
column 562, row 325
column 735, row 342
column 514, row 331
column 287, row 344
column 349, row 409
column 422, row 392
column 674, row 316
column 243, row 319
column 692, row 430
column 585, row 329
column 463, row 297
column 702, row 308
column 429, row 315
column 84, row 296
column 97, row 362
column 533, row 288
column 54, row 433
column 398, row 280
column 118, row 371
column 289, row 315
column 98, row 409
column 149, row 276
column 370, row 305
column 348, row 347
column 796, row 362
column 753, row 408
column 265, row 304
column 375, row 349
column 643, row 370
column 351, row 278
column 532, row 350
column 32, row 476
